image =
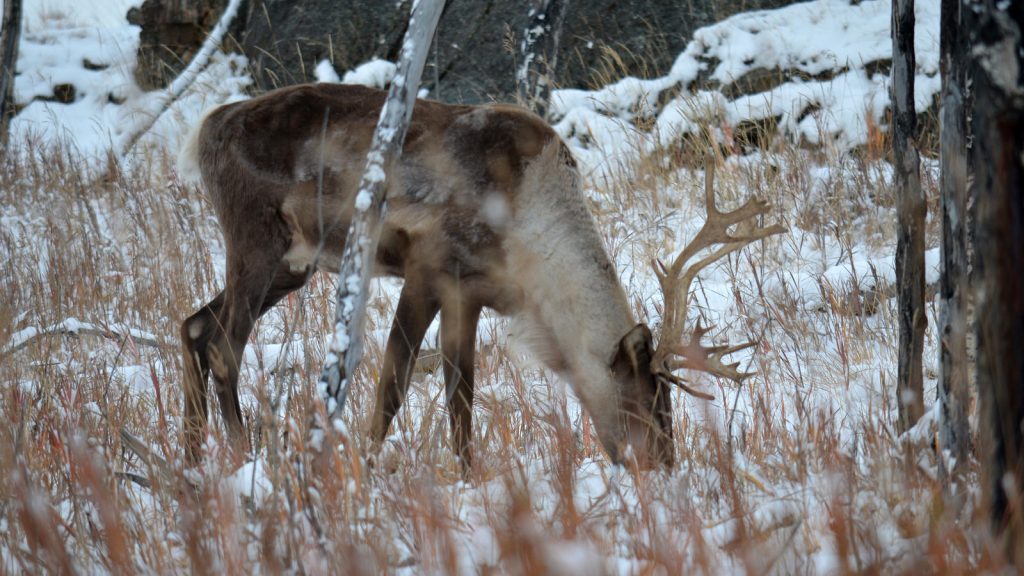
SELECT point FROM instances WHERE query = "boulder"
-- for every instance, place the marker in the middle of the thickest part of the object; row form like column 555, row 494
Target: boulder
column 171, row 33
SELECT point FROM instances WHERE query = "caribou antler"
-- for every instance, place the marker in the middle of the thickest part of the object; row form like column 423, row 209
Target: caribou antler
column 694, row 356
column 672, row 353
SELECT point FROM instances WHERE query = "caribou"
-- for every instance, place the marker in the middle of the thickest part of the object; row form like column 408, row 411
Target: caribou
column 485, row 210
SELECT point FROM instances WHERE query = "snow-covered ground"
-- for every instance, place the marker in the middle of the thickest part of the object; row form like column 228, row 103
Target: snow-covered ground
column 828, row 61
column 90, row 54
column 799, row 470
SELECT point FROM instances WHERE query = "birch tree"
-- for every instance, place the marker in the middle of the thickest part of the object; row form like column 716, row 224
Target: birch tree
column 911, row 211
column 346, row 345
column 10, row 33
column 538, row 53
column 996, row 69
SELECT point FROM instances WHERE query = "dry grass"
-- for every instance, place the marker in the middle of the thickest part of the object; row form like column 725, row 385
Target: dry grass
column 799, row 471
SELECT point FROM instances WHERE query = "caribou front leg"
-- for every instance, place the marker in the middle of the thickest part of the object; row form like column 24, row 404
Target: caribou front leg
column 458, row 340
column 417, row 307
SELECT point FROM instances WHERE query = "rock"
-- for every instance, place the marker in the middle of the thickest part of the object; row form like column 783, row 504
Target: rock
column 474, row 57
column 172, row 32
column 285, row 40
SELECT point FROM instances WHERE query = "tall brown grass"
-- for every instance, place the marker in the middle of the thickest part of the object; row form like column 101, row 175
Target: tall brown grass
column 778, row 488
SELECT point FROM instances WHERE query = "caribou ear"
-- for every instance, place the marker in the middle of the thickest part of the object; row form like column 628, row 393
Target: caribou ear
column 635, row 350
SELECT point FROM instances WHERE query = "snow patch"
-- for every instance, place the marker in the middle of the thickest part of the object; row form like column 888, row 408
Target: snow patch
column 376, row 74
column 834, row 53
column 325, row 72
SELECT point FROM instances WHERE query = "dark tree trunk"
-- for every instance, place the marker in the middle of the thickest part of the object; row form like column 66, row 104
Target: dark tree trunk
column 911, row 210
column 10, row 32
column 953, row 394
column 538, row 52
column 996, row 64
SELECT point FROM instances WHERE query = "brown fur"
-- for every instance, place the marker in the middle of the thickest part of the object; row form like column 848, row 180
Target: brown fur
column 466, row 228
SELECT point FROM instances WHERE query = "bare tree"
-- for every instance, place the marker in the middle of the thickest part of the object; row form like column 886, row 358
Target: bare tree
column 539, row 53
column 953, row 383
column 997, row 122
column 911, row 211
column 10, row 33
column 364, row 230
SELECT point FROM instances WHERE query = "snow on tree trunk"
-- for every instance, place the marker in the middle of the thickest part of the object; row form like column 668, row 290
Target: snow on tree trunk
column 539, row 53
column 10, row 32
column 996, row 69
column 911, row 214
column 953, row 395
column 357, row 260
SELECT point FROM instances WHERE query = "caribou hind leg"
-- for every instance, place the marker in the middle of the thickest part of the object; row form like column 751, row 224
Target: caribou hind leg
column 214, row 338
column 196, row 333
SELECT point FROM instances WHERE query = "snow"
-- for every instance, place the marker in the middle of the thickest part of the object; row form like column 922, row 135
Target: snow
column 251, row 481
column 97, row 61
column 817, row 105
column 376, row 74
column 340, row 341
column 325, row 72
column 49, row 14
column 364, row 199
column 75, row 326
column 374, row 174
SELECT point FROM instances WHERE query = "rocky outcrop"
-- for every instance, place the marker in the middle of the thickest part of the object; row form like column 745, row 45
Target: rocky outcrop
column 474, row 56
column 171, row 33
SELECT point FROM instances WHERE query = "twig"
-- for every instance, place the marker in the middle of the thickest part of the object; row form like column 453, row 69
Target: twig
column 156, row 462
column 135, row 478
column 72, row 327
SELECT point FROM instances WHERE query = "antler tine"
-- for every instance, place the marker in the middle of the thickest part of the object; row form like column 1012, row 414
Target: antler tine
column 710, row 205
column 661, row 272
column 675, row 281
column 695, row 356
column 684, row 386
column 716, row 367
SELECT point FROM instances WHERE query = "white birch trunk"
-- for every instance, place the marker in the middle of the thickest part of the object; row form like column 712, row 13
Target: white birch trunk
column 346, row 345
column 539, row 53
